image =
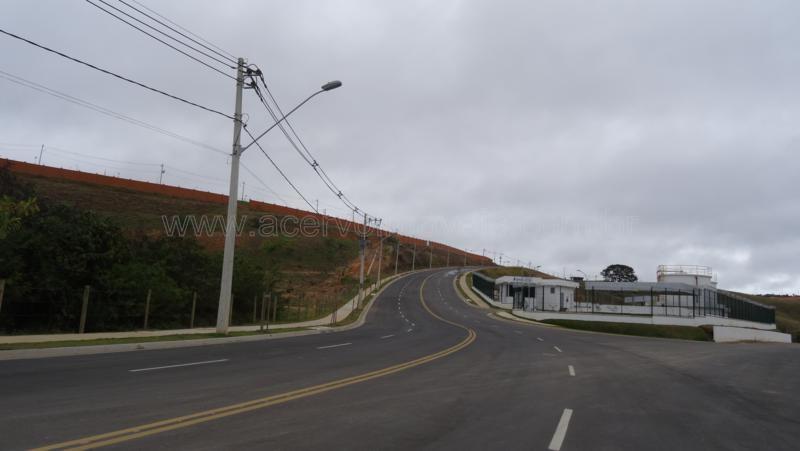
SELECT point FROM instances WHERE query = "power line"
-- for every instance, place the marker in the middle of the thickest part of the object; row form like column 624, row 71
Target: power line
column 230, row 58
column 161, row 40
column 142, row 85
column 307, row 156
column 253, row 174
column 233, row 58
column 280, row 171
column 86, row 104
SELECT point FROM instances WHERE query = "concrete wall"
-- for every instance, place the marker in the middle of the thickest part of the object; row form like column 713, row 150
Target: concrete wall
column 658, row 320
column 491, row 302
column 724, row 334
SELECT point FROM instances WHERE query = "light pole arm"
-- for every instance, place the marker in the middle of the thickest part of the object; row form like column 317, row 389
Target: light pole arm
column 280, row 120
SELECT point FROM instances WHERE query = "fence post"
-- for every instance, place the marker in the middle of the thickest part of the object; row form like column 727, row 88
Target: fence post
column 652, row 302
column 147, row 307
column 255, row 307
column 194, row 306
column 2, row 292
column 84, row 308
column 592, row 299
column 693, row 296
column 264, row 311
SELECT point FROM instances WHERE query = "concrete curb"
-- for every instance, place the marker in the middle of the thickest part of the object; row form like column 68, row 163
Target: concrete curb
column 20, row 354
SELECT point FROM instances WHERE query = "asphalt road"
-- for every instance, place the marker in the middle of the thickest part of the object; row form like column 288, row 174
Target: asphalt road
column 426, row 370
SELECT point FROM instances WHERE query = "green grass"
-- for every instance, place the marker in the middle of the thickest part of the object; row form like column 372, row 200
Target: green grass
column 644, row 330
column 500, row 271
column 116, row 341
column 787, row 312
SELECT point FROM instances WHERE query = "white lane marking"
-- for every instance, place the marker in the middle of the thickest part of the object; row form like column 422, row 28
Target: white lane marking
column 561, row 431
column 387, row 336
column 178, row 365
column 409, row 330
column 540, row 338
column 571, row 370
column 334, row 346
column 557, row 348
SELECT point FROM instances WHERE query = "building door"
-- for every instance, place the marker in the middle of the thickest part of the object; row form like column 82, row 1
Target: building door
column 518, row 298
column 560, row 301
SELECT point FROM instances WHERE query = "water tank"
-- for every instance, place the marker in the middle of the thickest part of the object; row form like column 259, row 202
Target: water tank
column 694, row 275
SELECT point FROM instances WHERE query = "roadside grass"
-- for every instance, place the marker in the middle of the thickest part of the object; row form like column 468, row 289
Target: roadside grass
column 644, row 330
column 129, row 340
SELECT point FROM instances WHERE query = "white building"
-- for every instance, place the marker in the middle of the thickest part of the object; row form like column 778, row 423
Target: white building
column 535, row 293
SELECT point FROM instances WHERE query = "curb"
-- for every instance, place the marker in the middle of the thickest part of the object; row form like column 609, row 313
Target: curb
column 68, row 351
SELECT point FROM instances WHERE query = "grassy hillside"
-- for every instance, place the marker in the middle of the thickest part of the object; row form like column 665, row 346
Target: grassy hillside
column 309, row 273
column 500, row 271
column 787, row 312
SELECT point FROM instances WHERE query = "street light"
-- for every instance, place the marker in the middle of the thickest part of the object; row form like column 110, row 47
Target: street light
column 585, row 276
column 331, row 85
column 226, row 281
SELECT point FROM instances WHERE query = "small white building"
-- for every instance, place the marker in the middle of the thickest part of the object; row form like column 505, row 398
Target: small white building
column 535, row 293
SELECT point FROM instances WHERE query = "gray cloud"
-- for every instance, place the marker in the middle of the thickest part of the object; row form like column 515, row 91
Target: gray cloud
column 569, row 134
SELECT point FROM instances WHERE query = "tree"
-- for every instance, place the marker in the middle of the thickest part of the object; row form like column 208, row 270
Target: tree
column 619, row 273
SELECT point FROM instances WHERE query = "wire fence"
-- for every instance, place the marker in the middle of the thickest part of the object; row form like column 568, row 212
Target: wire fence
column 46, row 310
column 671, row 302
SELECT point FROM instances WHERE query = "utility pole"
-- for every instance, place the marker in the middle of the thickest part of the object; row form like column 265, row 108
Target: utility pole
column 41, row 151
column 414, row 257
column 226, row 284
column 396, row 256
column 362, row 247
column 380, row 260
column 161, row 174
column 430, row 258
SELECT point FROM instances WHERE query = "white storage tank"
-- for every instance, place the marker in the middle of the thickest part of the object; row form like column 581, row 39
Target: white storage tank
column 694, row 275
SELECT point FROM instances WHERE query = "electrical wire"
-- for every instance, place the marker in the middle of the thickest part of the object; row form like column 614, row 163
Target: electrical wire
column 280, row 171
column 253, row 174
column 86, row 104
column 231, row 58
column 108, row 72
column 307, row 155
column 184, row 29
column 161, row 40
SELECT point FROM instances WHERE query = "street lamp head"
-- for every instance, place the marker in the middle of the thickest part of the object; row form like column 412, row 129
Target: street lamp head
column 331, row 85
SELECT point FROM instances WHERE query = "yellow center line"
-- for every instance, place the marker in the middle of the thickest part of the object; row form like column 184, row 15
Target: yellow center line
column 123, row 435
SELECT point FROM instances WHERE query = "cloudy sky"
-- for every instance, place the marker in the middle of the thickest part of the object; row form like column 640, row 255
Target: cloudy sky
column 566, row 134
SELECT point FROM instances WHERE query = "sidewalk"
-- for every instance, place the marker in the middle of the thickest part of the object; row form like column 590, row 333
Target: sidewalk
column 322, row 323
column 477, row 300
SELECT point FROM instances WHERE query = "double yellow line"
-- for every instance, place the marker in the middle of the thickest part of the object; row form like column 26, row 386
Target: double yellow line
column 136, row 432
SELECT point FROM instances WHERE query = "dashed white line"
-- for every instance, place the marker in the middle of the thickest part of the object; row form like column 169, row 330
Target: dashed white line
column 178, row 365
column 571, row 370
column 561, row 431
column 557, row 348
column 387, row 336
column 334, row 346
column 540, row 338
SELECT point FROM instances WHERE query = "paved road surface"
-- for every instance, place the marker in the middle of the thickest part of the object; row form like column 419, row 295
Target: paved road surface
column 425, row 371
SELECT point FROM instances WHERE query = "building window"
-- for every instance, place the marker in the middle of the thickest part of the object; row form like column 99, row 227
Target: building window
column 552, row 290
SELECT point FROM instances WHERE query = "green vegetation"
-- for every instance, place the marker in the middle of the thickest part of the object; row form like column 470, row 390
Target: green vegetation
column 499, row 271
column 645, row 330
column 128, row 340
column 787, row 312
column 56, row 248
